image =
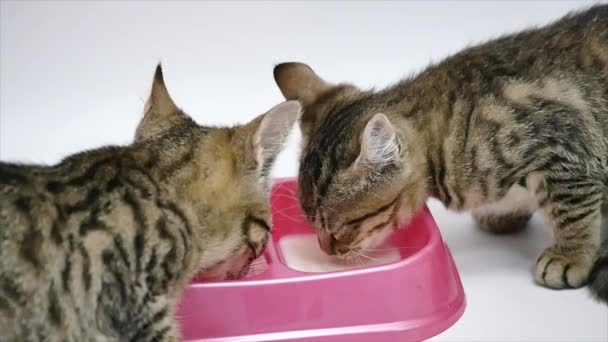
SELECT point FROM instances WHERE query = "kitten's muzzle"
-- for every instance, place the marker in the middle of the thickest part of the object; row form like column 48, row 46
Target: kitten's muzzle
column 330, row 245
column 326, row 242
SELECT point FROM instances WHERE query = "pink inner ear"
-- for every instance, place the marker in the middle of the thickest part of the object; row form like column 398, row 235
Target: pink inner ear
column 378, row 143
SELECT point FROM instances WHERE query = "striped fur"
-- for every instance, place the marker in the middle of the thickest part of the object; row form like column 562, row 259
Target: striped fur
column 504, row 128
column 101, row 246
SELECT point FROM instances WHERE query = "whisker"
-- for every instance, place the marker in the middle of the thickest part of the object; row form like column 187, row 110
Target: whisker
column 391, row 248
column 367, row 256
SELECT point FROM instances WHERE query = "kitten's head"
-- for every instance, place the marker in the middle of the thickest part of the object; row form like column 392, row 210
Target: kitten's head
column 222, row 173
column 360, row 177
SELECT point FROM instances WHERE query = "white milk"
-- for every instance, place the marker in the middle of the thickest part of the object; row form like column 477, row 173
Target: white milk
column 302, row 253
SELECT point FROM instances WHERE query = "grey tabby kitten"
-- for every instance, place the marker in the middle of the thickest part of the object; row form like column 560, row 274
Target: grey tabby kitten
column 101, row 246
column 504, row 128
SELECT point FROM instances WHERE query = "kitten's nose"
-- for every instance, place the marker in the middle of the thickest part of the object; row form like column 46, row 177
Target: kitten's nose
column 326, row 241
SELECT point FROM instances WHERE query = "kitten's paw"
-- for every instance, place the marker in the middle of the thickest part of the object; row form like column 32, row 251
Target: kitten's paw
column 558, row 270
column 502, row 224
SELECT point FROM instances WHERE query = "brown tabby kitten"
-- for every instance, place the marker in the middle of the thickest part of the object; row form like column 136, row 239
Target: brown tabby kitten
column 101, row 246
column 504, row 128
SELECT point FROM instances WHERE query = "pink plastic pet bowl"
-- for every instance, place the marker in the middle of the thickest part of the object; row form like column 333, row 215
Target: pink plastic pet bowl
column 411, row 299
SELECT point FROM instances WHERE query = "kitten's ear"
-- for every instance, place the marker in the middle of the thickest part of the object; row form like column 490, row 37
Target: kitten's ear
column 160, row 102
column 379, row 143
column 271, row 133
column 159, row 110
column 297, row 81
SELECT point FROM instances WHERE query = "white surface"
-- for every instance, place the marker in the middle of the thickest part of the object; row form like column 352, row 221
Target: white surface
column 75, row 75
column 302, row 253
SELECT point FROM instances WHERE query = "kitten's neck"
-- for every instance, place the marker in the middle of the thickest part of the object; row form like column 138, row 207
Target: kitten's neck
column 422, row 110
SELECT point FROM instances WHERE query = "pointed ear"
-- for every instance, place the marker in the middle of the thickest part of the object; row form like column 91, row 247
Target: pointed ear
column 270, row 135
column 160, row 102
column 159, row 111
column 297, row 81
column 379, row 143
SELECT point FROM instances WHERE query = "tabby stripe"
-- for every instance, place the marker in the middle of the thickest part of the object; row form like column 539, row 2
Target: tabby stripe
column 259, row 221
column 144, row 330
column 55, row 310
column 583, row 200
column 6, row 307
column 143, row 191
column 152, row 261
column 589, row 203
column 113, row 184
column 120, row 247
column 176, row 166
column 373, row 213
column 86, row 267
column 581, row 186
column 322, row 219
column 523, row 182
column 184, row 243
column 140, row 223
column 56, row 233
column 90, row 224
column 57, row 224
column 430, row 170
column 147, row 176
column 11, row 289
column 498, row 153
column 323, row 183
column 108, row 258
column 66, row 272
column 71, row 243
column 171, row 207
column 163, row 233
column 139, row 243
column 177, row 212
column 576, row 218
column 84, row 204
column 380, row 225
column 556, row 161
column 78, row 181
column 515, row 172
column 161, row 227
column 574, row 198
column 166, row 264
column 89, row 174
column 468, row 119
column 160, row 335
column 9, row 177
column 442, row 180
column 31, row 244
column 567, row 179
column 391, row 218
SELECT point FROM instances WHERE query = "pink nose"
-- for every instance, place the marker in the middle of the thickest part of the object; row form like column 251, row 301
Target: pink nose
column 326, row 241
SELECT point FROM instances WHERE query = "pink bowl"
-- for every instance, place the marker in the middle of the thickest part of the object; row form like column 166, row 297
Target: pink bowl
column 411, row 299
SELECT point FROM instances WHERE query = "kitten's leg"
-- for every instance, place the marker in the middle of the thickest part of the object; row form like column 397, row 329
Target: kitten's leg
column 163, row 328
column 574, row 210
column 510, row 214
column 502, row 223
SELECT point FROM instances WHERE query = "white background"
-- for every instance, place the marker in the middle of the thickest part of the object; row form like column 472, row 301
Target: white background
column 75, row 75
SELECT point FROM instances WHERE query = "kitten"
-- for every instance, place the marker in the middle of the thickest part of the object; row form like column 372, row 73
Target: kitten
column 101, row 246
column 504, row 128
